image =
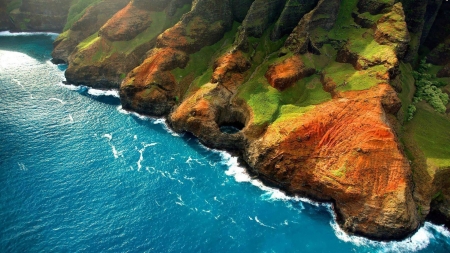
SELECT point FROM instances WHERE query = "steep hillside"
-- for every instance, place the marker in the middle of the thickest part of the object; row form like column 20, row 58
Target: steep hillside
column 332, row 100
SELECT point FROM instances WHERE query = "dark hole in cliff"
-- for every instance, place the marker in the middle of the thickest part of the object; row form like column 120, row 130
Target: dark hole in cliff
column 231, row 127
column 230, row 121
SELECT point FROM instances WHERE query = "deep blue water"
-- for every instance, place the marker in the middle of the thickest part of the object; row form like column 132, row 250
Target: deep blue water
column 78, row 174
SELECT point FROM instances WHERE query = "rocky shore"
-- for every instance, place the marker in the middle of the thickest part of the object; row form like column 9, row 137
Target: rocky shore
column 316, row 93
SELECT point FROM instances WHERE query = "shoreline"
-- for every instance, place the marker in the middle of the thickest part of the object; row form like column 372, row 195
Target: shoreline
column 253, row 175
column 252, row 172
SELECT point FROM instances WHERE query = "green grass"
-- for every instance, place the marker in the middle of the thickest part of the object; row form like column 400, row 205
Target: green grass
column 200, row 63
column 408, row 89
column 89, row 41
column 347, row 78
column 77, row 10
column 13, row 5
column 431, row 133
column 159, row 20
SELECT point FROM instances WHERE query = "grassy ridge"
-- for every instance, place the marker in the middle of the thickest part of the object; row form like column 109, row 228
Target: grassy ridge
column 431, row 133
column 77, row 10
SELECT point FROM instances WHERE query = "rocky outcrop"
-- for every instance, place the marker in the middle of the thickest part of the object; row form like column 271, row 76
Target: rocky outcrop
column 391, row 30
column 4, row 16
column 440, row 55
column 375, row 6
column 322, row 16
column 261, row 15
column 126, row 24
column 40, row 15
column 300, row 116
column 286, row 73
column 290, row 16
column 337, row 152
column 90, row 22
column 196, row 29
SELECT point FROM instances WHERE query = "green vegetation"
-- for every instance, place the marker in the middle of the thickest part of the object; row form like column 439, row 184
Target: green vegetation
column 13, row 5
column 341, row 171
column 428, row 89
column 200, row 63
column 159, row 20
column 408, row 88
column 431, row 133
column 347, row 78
column 77, row 10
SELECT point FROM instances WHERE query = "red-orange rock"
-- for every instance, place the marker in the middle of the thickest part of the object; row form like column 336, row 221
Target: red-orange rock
column 126, row 24
column 344, row 151
column 285, row 74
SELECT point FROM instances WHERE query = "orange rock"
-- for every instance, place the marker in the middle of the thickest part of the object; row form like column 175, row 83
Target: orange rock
column 344, row 151
column 126, row 24
column 285, row 74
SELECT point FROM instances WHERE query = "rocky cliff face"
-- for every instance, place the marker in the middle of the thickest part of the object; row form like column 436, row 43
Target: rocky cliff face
column 40, row 15
column 308, row 87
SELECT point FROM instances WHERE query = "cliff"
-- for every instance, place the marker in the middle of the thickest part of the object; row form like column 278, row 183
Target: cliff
column 325, row 99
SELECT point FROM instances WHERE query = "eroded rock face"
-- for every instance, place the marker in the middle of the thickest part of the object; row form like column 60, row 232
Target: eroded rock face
column 126, row 24
column 286, row 73
column 338, row 152
column 391, row 30
column 196, row 29
column 322, row 16
column 344, row 151
column 375, row 6
column 151, row 88
column 41, row 15
column 92, row 20
column 293, row 11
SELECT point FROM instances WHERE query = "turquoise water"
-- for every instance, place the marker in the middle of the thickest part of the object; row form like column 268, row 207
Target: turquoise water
column 79, row 174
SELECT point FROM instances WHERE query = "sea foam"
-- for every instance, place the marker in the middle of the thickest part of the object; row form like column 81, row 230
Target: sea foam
column 420, row 240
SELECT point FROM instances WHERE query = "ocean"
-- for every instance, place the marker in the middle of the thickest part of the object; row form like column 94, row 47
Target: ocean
column 80, row 174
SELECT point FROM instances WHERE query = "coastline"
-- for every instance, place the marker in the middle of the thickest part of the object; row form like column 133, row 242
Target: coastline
column 259, row 180
column 251, row 171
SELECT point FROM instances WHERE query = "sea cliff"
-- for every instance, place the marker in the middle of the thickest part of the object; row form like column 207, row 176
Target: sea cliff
column 331, row 100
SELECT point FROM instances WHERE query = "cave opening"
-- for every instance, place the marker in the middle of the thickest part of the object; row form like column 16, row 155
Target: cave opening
column 231, row 127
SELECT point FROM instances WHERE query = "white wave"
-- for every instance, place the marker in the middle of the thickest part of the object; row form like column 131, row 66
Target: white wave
column 22, row 167
column 141, row 153
column 163, row 122
column 71, row 118
column 18, row 83
column 121, row 110
column 262, row 224
column 56, row 99
column 107, row 136
column 116, row 153
column 9, row 34
column 135, row 137
column 70, row 86
column 419, row 241
column 97, row 93
column 441, row 230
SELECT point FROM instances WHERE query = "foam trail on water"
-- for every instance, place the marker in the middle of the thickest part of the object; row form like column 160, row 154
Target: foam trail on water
column 141, row 153
column 18, row 83
column 8, row 33
column 262, row 224
column 56, row 99
column 70, row 86
column 116, row 153
column 97, row 93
